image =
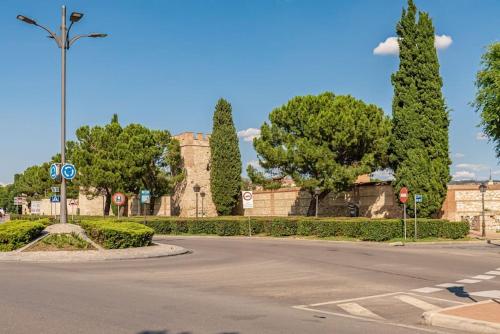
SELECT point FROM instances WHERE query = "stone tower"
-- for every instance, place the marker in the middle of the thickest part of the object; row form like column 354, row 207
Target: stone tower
column 195, row 152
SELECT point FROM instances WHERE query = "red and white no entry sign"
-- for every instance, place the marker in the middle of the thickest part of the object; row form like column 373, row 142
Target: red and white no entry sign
column 119, row 199
column 403, row 195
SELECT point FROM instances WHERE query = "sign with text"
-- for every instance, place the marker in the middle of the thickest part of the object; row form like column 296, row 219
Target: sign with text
column 36, row 207
column 419, row 198
column 145, row 197
column 247, row 199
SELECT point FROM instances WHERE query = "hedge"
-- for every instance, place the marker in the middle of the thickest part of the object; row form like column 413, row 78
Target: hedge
column 359, row 228
column 111, row 234
column 16, row 234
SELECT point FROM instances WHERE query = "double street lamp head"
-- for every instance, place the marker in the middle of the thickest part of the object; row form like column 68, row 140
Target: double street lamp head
column 26, row 19
column 196, row 188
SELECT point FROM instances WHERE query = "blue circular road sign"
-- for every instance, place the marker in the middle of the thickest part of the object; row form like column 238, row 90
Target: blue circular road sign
column 53, row 171
column 68, row 171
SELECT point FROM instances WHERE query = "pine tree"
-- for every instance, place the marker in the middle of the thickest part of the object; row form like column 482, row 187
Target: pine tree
column 225, row 172
column 420, row 153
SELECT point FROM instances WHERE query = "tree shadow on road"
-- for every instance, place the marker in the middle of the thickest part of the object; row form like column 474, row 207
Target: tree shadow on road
column 169, row 332
column 460, row 292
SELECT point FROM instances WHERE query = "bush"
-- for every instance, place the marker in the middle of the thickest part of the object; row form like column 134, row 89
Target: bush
column 112, row 234
column 18, row 233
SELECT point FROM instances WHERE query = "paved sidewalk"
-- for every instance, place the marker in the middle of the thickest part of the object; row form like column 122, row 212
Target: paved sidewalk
column 482, row 317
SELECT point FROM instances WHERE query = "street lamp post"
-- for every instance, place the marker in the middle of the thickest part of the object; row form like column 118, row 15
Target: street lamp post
column 482, row 188
column 64, row 42
column 196, row 189
column 317, row 191
column 202, row 194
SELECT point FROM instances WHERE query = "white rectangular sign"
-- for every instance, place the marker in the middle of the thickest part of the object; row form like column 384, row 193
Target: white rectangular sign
column 36, row 207
column 247, row 199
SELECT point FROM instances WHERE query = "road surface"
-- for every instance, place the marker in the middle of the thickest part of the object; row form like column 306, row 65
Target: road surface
column 258, row 285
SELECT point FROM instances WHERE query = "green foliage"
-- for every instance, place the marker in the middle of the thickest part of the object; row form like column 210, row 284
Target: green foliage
column 65, row 241
column 113, row 158
column 15, row 234
column 487, row 100
column 111, row 235
column 225, row 166
column 323, row 141
column 358, row 228
column 419, row 147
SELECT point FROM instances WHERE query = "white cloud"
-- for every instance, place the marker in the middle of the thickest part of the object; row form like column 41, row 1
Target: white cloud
column 459, row 155
column 473, row 167
column 391, row 47
column 442, row 42
column 497, row 172
column 388, row 47
column 249, row 134
column 481, row 136
column 463, row 175
column 384, row 175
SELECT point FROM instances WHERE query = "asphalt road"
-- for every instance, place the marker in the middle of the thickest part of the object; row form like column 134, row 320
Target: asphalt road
column 240, row 285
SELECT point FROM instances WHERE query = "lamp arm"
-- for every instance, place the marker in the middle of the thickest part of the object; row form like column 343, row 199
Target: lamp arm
column 75, row 38
column 52, row 35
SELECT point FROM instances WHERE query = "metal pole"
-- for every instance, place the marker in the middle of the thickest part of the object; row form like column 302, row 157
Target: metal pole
column 317, row 197
column 196, row 205
column 202, row 207
column 404, row 218
column 64, row 213
column 484, row 218
column 415, row 236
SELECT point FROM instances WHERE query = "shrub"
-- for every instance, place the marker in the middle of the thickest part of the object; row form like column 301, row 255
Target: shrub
column 16, row 234
column 112, row 234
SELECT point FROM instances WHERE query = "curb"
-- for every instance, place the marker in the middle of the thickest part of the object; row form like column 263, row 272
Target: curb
column 158, row 250
column 436, row 318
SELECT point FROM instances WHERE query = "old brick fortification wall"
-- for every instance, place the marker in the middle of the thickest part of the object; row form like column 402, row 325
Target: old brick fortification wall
column 374, row 200
column 195, row 151
column 463, row 202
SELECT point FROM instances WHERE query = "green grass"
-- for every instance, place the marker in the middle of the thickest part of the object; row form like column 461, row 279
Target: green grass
column 56, row 242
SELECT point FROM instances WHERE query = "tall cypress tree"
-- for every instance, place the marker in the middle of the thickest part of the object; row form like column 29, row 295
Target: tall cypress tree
column 225, row 172
column 419, row 153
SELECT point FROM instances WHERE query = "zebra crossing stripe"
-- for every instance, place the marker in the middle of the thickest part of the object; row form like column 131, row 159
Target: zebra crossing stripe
column 450, row 285
column 418, row 303
column 469, row 281
column 356, row 309
column 494, row 272
column 427, row 290
column 483, row 277
column 487, row 294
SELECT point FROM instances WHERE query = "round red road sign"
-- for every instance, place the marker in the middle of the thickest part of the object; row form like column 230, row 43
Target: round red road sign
column 247, row 195
column 403, row 195
column 119, row 199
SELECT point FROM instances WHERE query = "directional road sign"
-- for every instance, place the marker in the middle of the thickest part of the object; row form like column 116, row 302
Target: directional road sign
column 145, row 197
column 419, row 198
column 55, row 199
column 54, row 189
column 55, row 171
column 68, row 171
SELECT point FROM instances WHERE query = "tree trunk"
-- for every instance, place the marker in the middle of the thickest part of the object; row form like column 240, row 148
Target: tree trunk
column 107, row 204
column 152, row 201
column 311, row 211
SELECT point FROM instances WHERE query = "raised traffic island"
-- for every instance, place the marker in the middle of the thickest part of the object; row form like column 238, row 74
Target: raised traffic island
column 99, row 240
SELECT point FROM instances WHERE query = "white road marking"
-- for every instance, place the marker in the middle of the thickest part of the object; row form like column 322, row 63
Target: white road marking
column 434, row 298
column 427, row 290
column 488, row 294
column 356, row 309
column 469, row 281
column 415, row 328
column 483, row 277
column 450, row 285
column 355, row 299
column 494, row 272
column 418, row 303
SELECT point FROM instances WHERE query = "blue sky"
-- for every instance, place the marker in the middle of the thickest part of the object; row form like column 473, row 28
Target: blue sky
column 165, row 64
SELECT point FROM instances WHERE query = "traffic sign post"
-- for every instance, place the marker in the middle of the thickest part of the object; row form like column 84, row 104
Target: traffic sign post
column 403, row 198
column 418, row 199
column 73, row 203
column 247, row 197
column 119, row 200
column 145, row 197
